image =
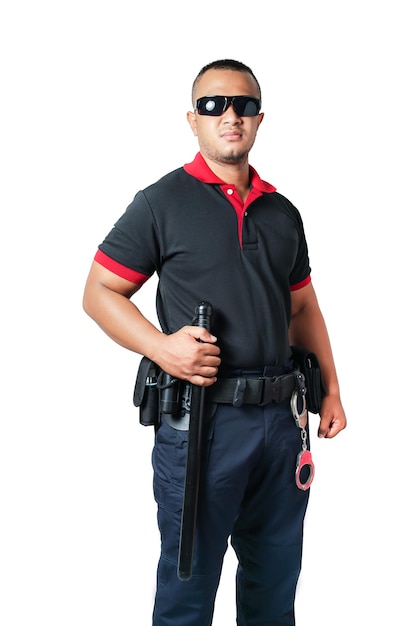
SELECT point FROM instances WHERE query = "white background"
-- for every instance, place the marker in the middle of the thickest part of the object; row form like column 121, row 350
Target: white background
column 93, row 103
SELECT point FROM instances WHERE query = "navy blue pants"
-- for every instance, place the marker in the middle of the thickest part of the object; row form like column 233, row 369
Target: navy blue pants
column 247, row 493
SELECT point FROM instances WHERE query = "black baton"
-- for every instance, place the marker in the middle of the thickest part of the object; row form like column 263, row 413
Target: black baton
column 192, row 476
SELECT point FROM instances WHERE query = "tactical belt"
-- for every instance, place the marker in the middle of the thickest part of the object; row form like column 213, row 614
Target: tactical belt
column 261, row 391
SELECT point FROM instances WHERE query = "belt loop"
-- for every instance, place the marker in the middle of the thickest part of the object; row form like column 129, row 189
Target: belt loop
column 239, row 392
column 267, row 391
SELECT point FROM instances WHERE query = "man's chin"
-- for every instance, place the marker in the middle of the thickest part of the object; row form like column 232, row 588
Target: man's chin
column 234, row 157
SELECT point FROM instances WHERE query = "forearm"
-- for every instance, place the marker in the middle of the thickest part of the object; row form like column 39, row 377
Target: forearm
column 308, row 330
column 107, row 300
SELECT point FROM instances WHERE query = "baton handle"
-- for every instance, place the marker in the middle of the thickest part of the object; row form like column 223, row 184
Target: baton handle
column 192, row 473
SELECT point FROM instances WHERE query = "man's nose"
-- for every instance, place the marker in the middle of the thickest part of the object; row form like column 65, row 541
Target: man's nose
column 230, row 114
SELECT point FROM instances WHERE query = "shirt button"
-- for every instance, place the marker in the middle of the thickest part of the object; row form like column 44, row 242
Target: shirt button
column 229, row 191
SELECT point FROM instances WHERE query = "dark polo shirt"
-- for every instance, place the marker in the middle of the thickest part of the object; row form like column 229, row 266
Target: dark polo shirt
column 206, row 244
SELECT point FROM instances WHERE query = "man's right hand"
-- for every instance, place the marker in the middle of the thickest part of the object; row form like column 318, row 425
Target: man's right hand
column 189, row 354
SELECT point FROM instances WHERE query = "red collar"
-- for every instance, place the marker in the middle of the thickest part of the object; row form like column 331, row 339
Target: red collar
column 200, row 170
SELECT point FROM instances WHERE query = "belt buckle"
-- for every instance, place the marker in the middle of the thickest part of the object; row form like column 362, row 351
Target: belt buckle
column 270, row 390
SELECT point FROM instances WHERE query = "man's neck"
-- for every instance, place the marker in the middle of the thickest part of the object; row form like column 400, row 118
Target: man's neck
column 234, row 174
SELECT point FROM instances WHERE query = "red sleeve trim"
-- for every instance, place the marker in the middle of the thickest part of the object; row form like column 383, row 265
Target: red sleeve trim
column 119, row 269
column 302, row 284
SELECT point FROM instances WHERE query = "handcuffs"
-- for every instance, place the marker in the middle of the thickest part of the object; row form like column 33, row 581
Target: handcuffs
column 304, row 459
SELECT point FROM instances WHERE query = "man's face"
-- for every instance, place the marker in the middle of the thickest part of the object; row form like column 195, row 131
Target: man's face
column 226, row 138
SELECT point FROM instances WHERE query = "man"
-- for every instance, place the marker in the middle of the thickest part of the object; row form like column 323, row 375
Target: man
column 214, row 231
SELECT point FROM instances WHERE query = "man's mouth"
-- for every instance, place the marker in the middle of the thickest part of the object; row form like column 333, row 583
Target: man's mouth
column 232, row 135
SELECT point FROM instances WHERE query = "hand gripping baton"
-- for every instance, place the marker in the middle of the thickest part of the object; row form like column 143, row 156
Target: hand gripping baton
column 192, row 476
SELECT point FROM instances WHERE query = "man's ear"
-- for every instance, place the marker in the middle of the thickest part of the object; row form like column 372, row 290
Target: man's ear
column 191, row 118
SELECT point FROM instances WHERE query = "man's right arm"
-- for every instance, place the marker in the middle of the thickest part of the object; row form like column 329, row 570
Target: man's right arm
column 107, row 300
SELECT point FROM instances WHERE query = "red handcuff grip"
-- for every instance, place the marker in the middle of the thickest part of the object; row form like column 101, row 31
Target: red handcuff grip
column 304, row 459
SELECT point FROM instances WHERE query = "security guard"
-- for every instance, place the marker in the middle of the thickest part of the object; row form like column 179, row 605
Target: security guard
column 214, row 230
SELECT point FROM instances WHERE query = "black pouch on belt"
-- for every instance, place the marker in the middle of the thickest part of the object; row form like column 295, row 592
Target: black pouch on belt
column 146, row 393
column 309, row 365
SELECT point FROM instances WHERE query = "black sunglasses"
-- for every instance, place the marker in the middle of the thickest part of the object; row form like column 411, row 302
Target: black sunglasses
column 244, row 106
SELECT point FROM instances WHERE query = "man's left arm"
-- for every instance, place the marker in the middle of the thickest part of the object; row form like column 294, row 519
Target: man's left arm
column 308, row 330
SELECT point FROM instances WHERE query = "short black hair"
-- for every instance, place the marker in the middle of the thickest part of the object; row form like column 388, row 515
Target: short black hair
column 224, row 64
